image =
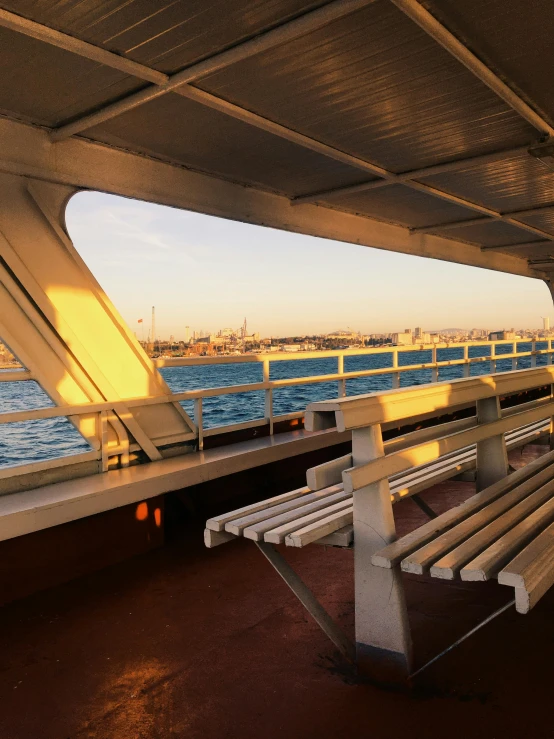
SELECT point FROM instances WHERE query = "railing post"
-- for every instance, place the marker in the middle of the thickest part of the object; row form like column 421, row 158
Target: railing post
column 268, row 400
column 435, row 370
column 395, row 375
column 383, row 644
column 493, row 360
column 514, row 359
column 103, row 436
column 549, row 356
column 467, row 364
column 199, row 421
column 492, row 457
column 533, row 356
column 340, row 371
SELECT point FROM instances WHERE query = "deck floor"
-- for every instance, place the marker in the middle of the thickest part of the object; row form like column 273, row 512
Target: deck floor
column 195, row 643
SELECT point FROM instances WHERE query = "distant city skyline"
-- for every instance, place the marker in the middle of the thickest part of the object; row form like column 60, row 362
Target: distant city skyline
column 206, row 272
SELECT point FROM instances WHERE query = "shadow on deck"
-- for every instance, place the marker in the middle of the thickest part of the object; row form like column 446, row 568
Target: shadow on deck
column 188, row 642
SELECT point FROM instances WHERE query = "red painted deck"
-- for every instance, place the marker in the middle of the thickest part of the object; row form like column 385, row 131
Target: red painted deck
column 187, row 642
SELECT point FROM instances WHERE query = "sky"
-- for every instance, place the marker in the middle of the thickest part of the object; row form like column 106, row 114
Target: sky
column 211, row 273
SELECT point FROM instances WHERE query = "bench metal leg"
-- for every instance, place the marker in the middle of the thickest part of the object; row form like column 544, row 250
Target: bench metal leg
column 308, row 600
column 422, row 505
column 383, row 643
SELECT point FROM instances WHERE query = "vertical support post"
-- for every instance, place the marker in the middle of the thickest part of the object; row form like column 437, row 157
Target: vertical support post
column 467, row 365
column 435, row 370
column 383, row 644
column 395, row 375
column 514, row 359
column 103, row 436
column 533, row 356
column 492, row 457
column 551, row 431
column 199, row 421
column 549, row 355
column 493, row 360
column 268, row 401
column 340, row 371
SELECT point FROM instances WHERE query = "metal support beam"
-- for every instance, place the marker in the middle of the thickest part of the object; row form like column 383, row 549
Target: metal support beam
column 428, row 23
column 87, row 353
column 289, row 31
column 507, row 216
column 83, row 164
column 522, row 245
column 415, row 174
column 82, row 48
column 308, row 600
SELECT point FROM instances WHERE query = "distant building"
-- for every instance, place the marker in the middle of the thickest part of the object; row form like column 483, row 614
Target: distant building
column 187, row 334
column 503, row 335
column 404, row 338
column 546, row 323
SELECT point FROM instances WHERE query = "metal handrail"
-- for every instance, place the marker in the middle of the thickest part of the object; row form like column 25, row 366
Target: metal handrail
column 268, row 386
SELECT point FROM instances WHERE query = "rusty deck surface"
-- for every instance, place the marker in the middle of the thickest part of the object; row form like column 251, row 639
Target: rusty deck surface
column 195, row 643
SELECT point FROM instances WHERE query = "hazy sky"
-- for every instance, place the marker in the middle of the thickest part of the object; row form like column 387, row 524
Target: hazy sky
column 210, row 273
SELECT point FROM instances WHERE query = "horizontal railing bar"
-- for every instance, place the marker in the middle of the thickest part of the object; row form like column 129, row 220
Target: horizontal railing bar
column 327, row 353
column 15, row 376
column 84, row 409
column 48, row 464
column 255, row 422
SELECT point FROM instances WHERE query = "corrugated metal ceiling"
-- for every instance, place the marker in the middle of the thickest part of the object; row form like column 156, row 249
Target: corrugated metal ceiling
column 372, row 84
column 165, row 34
column 514, row 38
column 516, row 183
column 184, row 131
column 490, row 233
column 400, row 205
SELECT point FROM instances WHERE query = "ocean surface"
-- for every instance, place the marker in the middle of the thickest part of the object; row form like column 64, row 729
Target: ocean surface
column 33, row 441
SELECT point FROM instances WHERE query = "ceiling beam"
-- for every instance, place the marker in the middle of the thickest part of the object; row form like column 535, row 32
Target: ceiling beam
column 522, row 245
column 428, row 23
column 253, row 119
column 509, row 216
column 82, row 48
column 284, row 33
column 415, row 174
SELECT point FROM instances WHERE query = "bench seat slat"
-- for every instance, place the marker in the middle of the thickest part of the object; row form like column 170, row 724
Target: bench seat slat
column 448, row 566
column 420, row 561
column 316, row 531
column 257, row 530
column 394, row 553
column 217, row 523
column 278, row 534
column 487, row 564
column 237, row 525
column 531, row 573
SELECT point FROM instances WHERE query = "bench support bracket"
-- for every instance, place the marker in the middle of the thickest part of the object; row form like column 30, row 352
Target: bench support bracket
column 492, row 456
column 308, row 600
column 383, row 642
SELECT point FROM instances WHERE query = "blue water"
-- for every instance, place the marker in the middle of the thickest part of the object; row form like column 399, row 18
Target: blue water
column 34, row 441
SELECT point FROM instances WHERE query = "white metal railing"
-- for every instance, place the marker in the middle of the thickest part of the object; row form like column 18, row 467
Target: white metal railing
column 267, row 385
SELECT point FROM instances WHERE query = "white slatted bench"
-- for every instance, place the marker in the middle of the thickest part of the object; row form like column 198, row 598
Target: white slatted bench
column 505, row 531
column 322, row 513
